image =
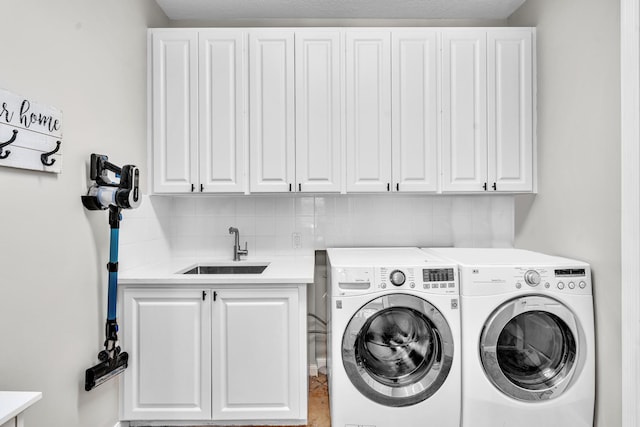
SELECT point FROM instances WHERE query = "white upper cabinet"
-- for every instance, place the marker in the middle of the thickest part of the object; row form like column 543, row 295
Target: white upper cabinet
column 271, row 106
column 464, row 110
column 368, row 110
column 175, row 105
column 199, row 80
column 343, row 110
column 222, row 112
column 318, row 112
column 510, row 109
column 414, row 59
column 487, row 110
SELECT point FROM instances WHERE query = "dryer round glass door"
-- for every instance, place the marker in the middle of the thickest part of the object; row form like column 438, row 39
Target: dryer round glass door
column 397, row 350
column 529, row 348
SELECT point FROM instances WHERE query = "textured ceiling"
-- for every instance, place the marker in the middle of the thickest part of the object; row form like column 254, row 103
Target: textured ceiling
column 337, row 9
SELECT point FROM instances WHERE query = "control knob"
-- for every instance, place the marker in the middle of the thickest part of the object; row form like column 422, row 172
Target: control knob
column 397, row 278
column 532, row 278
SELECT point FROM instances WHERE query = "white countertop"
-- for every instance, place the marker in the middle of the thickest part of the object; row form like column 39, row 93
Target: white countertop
column 12, row 403
column 281, row 270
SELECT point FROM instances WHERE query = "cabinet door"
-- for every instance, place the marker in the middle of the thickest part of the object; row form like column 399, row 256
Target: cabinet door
column 258, row 356
column 167, row 334
column 175, row 110
column 368, row 110
column 222, row 124
column 464, row 110
column 318, row 136
column 510, row 109
column 271, row 118
column 415, row 110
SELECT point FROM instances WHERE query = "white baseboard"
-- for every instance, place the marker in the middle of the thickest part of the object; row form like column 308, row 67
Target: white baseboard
column 319, row 367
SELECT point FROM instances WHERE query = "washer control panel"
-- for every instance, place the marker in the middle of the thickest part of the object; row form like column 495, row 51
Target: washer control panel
column 434, row 280
column 397, row 278
column 361, row 280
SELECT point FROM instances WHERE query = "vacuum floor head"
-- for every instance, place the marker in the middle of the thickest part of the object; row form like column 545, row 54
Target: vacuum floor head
column 104, row 371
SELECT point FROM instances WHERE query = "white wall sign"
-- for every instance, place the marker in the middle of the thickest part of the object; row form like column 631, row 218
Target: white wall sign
column 30, row 134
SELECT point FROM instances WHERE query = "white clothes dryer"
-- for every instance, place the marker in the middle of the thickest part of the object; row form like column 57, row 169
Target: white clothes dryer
column 393, row 338
column 528, row 356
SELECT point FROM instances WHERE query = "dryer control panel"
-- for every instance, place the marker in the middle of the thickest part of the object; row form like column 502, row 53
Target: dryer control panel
column 492, row 280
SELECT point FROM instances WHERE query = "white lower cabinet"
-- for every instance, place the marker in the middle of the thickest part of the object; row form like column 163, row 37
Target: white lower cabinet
column 257, row 358
column 167, row 333
column 215, row 354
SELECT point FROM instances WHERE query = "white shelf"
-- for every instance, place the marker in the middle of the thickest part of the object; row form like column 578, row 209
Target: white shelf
column 13, row 403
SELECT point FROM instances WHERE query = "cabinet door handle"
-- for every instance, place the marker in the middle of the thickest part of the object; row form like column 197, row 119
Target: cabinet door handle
column 299, row 187
column 201, row 188
column 495, row 188
column 215, row 295
column 397, row 186
column 484, row 186
column 388, row 187
column 204, row 295
column 193, row 187
column 289, row 187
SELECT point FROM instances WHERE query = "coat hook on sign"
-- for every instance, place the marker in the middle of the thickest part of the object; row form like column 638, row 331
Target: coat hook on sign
column 4, row 144
column 44, row 157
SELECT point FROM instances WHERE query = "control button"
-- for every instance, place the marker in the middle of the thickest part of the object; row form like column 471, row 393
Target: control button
column 547, row 285
column 412, row 285
column 572, row 285
column 383, row 285
column 532, row 278
column 560, row 285
column 518, row 285
column 582, row 285
column 397, row 278
column 427, row 285
column 452, row 285
column 443, row 285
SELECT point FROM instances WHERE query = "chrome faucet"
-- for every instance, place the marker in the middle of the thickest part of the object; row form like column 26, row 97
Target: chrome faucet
column 237, row 251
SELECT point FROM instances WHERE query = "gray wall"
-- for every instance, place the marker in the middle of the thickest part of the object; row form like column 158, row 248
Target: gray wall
column 88, row 58
column 577, row 210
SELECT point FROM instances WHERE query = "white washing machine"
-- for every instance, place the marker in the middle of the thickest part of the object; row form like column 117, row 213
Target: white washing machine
column 394, row 338
column 528, row 345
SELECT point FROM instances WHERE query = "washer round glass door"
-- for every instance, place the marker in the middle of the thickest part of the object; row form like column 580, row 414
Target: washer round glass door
column 529, row 348
column 397, row 350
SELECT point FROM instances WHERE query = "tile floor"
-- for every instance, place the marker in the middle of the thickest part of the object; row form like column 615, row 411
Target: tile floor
column 318, row 415
column 318, row 402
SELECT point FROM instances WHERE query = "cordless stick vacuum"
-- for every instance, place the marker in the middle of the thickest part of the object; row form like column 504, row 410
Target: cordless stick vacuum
column 115, row 196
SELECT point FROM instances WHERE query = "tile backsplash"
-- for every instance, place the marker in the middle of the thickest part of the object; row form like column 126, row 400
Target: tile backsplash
column 273, row 225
